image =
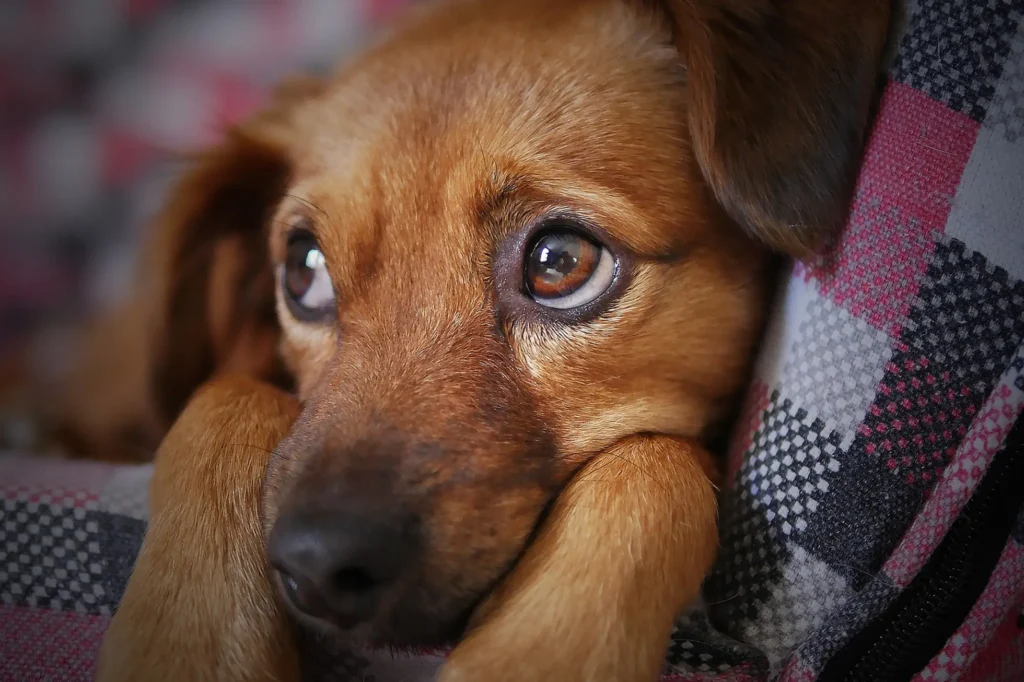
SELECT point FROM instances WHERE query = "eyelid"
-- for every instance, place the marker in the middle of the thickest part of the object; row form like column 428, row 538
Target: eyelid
column 584, row 224
column 284, row 225
column 301, row 224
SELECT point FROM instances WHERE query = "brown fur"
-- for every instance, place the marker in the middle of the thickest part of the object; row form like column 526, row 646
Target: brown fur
column 778, row 104
column 419, row 168
column 206, row 613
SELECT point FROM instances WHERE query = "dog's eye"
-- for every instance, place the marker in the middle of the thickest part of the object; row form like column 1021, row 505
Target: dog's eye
column 306, row 283
column 566, row 269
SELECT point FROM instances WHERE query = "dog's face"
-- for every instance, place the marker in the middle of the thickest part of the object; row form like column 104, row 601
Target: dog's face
column 495, row 258
column 498, row 243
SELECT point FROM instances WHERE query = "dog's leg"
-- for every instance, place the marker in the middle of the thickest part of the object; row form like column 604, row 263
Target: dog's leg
column 624, row 550
column 199, row 605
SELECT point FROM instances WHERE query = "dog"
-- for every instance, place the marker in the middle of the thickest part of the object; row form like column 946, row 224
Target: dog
column 444, row 337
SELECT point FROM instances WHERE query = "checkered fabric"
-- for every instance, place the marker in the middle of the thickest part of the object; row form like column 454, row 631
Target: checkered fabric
column 891, row 374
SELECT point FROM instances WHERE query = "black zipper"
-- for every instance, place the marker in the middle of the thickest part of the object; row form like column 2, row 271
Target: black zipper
column 900, row 642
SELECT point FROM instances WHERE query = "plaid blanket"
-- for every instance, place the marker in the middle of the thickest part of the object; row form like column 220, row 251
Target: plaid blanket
column 877, row 465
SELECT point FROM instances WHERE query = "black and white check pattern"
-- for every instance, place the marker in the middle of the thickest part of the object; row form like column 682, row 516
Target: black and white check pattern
column 959, row 68
column 836, row 365
column 1006, row 112
column 696, row 647
column 52, row 556
column 795, row 456
column 785, row 475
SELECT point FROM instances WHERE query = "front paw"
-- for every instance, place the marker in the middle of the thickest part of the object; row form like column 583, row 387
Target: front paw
column 199, row 605
column 623, row 551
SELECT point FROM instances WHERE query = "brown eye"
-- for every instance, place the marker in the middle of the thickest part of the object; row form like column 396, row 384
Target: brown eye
column 307, row 286
column 565, row 269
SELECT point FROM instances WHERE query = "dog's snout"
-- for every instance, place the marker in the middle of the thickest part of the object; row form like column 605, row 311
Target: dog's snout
column 337, row 565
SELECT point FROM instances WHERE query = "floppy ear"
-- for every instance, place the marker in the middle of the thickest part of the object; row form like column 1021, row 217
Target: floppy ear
column 779, row 97
column 213, row 288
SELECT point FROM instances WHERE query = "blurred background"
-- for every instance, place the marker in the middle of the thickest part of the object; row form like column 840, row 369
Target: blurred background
column 98, row 100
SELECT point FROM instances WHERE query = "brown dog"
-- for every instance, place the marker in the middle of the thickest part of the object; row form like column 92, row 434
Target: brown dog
column 501, row 258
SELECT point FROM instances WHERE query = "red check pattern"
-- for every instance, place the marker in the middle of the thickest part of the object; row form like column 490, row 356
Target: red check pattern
column 902, row 347
column 891, row 374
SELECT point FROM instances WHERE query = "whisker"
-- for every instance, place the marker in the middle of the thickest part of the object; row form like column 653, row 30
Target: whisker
column 309, row 203
column 722, row 601
column 254, row 447
column 641, row 470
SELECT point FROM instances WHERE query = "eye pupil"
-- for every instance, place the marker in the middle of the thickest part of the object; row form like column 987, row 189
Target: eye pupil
column 560, row 263
column 300, row 266
column 306, row 284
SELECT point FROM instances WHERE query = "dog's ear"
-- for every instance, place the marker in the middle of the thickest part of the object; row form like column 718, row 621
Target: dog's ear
column 213, row 288
column 779, row 97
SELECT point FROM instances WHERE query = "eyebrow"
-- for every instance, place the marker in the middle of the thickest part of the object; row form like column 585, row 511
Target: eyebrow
column 501, row 189
column 594, row 205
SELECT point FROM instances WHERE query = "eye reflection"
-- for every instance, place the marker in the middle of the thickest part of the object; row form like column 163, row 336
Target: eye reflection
column 566, row 269
column 305, row 280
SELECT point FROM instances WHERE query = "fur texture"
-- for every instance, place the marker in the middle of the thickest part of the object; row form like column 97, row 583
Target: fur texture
column 687, row 137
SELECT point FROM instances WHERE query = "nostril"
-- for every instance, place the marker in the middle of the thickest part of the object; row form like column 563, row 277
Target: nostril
column 302, row 596
column 337, row 566
column 354, row 580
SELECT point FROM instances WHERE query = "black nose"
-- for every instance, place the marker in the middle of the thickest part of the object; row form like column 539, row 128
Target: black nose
column 337, row 566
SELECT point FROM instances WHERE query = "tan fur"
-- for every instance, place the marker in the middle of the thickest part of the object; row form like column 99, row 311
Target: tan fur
column 646, row 507
column 420, row 169
column 198, row 606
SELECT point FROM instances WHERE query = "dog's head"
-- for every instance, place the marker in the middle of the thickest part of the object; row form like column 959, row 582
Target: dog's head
column 508, row 236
